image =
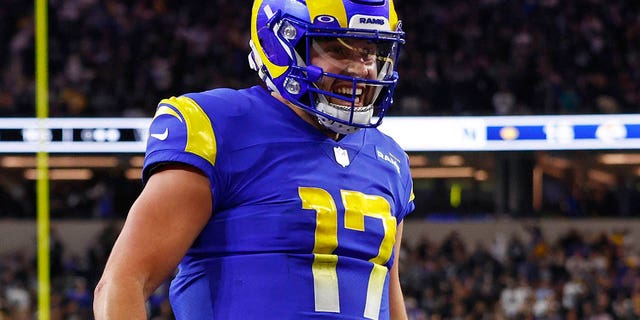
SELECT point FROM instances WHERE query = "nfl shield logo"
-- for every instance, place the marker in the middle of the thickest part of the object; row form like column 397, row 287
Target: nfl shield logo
column 342, row 157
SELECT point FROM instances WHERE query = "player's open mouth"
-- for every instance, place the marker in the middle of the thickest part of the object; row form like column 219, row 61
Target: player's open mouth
column 348, row 93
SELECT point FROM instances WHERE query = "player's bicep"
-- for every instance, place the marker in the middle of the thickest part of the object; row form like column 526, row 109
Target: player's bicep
column 173, row 208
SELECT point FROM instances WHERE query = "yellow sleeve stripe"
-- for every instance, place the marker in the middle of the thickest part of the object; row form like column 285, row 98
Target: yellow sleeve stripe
column 201, row 139
column 164, row 109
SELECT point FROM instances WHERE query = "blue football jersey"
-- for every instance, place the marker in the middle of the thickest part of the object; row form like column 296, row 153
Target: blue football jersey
column 303, row 226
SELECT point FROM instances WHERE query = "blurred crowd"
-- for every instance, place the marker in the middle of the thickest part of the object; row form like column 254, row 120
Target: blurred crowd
column 495, row 57
column 115, row 58
column 107, row 195
column 580, row 275
column 484, row 57
column 72, row 278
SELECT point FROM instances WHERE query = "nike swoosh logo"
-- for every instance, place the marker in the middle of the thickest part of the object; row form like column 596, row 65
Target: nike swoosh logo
column 161, row 136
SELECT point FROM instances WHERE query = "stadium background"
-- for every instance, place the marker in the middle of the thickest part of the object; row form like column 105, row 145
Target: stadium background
column 547, row 234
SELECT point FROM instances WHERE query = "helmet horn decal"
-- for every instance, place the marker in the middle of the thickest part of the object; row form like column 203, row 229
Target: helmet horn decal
column 274, row 69
column 393, row 16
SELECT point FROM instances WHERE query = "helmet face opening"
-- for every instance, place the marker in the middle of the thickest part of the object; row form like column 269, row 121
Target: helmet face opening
column 356, row 71
column 344, row 75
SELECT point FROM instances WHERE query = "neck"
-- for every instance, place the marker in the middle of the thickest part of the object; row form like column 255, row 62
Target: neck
column 307, row 117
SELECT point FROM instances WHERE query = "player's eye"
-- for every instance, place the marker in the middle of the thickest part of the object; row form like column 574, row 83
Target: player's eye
column 337, row 51
column 368, row 53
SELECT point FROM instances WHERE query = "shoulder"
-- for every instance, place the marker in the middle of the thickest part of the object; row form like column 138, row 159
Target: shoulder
column 225, row 101
column 214, row 112
column 391, row 157
column 388, row 150
column 193, row 128
column 386, row 143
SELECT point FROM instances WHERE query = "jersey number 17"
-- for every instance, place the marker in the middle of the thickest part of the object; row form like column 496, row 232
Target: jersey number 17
column 357, row 205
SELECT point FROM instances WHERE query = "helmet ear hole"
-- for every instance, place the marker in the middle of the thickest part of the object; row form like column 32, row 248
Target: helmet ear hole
column 301, row 49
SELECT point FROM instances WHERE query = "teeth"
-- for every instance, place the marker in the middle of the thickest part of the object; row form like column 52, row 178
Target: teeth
column 348, row 92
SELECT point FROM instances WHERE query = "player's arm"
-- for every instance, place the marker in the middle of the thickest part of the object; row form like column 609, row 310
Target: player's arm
column 396, row 299
column 162, row 224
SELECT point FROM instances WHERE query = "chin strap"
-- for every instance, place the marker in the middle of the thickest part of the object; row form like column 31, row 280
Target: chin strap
column 343, row 113
column 256, row 64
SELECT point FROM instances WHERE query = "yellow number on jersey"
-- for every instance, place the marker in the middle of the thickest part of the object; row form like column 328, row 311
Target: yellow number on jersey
column 357, row 205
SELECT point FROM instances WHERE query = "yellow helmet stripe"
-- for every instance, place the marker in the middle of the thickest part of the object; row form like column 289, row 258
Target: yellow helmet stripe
column 393, row 16
column 274, row 69
column 333, row 8
column 201, row 139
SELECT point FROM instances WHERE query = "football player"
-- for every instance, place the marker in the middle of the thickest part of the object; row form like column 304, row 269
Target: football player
column 280, row 201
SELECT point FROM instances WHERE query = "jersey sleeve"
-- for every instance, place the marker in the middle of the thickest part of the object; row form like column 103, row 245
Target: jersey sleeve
column 181, row 132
